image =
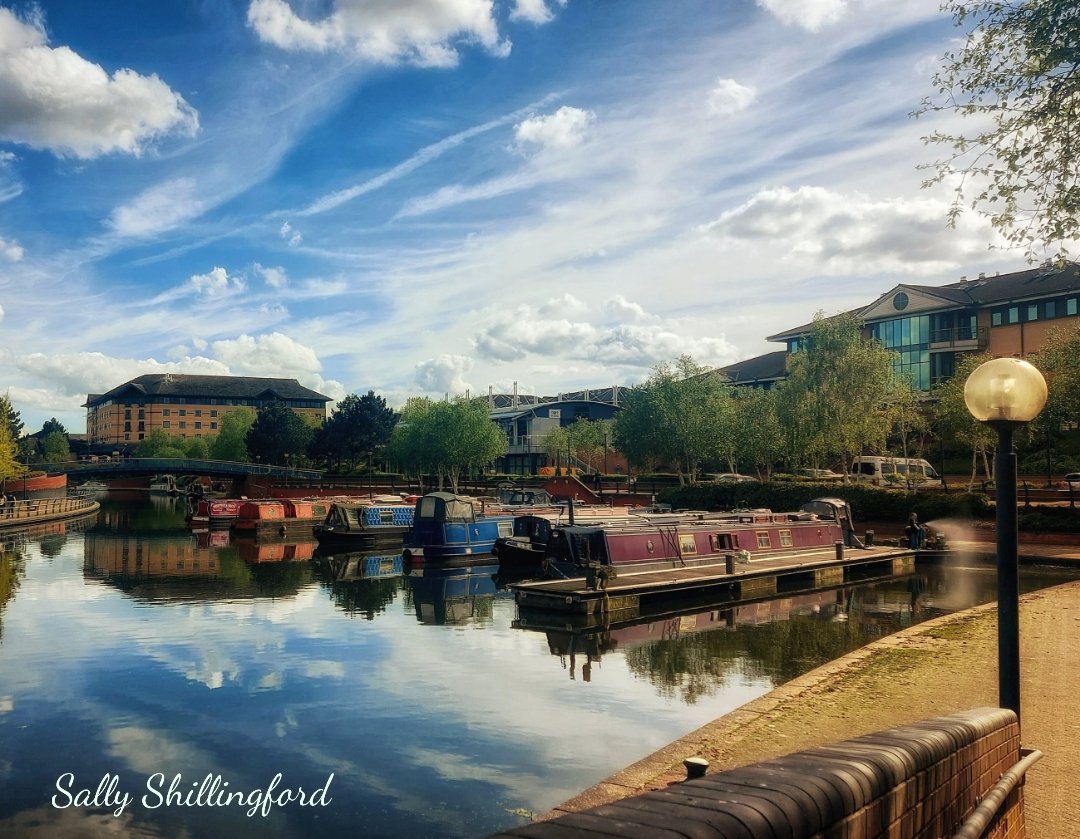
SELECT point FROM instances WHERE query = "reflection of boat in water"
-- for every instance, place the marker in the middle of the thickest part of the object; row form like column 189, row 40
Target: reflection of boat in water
column 346, row 567
column 252, row 551
column 357, row 524
column 446, row 525
column 443, row 595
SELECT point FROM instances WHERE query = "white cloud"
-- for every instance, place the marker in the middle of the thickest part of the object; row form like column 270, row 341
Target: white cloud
column 533, row 11
column 273, row 277
column 729, row 97
column 10, row 187
column 808, row 14
column 52, row 98
column 564, row 129
column 851, row 233
column 290, row 234
column 77, row 374
column 158, row 209
column 274, row 355
column 10, row 250
column 444, row 374
column 619, row 308
column 217, row 283
column 425, row 33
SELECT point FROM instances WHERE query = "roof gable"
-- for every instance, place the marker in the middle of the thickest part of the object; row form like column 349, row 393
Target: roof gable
column 905, row 300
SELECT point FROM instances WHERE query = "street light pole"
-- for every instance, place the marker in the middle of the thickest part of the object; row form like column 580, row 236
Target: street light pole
column 1006, row 393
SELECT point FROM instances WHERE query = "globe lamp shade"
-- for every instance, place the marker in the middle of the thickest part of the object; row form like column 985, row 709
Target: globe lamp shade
column 1005, row 390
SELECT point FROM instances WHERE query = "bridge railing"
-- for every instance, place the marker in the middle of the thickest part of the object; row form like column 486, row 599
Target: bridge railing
column 182, row 466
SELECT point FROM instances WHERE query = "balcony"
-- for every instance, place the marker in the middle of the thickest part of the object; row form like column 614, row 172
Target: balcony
column 959, row 339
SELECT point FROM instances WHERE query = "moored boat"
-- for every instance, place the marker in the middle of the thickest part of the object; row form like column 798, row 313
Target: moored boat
column 284, row 515
column 214, row 512
column 355, row 524
column 666, row 543
column 447, row 525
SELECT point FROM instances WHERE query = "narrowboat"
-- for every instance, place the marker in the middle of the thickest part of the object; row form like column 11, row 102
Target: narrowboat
column 290, row 515
column 352, row 525
column 673, row 543
column 446, row 526
column 213, row 512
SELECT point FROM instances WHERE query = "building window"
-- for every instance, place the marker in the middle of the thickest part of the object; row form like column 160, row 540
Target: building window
column 182, row 423
column 995, row 319
column 1050, row 309
column 1070, row 306
column 183, row 412
column 213, row 413
column 140, row 435
column 198, row 425
column 213, row 426
column 164, row 412
column 1033, row 311
column 166, row 424
column 1013, row 314
column 142, row 414
column 198, row 412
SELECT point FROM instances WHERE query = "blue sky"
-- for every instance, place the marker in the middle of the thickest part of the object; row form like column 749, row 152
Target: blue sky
column 444, row 196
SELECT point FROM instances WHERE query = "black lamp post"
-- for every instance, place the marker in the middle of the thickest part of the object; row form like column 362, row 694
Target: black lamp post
column 1006, row 393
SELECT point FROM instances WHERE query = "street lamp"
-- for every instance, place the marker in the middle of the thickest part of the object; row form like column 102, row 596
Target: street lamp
column 1006, row 393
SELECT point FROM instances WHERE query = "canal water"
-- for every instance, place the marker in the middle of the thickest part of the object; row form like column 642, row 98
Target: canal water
column 156, row 682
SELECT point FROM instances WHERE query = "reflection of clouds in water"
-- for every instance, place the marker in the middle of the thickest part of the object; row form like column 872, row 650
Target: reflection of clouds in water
column 7, row 704
column 324, row 670
column 149, row 750
column 77, row 823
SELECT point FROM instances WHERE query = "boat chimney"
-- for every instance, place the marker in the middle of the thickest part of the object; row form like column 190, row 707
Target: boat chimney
column 515, row 398
column 570, row 509
column 695, row 767
column 491, row 398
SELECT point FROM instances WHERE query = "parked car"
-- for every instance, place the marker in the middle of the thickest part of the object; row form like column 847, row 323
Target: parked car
column 1071, row 481
column 732, row 477
column 821, row 474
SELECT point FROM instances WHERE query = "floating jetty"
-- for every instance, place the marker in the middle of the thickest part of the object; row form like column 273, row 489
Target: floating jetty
column 18, row 514
column 632, row 592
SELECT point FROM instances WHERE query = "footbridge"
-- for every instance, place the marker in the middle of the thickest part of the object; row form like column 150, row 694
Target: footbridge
column 132, row 467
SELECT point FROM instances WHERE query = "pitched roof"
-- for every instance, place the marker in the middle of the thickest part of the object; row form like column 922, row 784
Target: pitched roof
column 768, row 367
column 210, row 387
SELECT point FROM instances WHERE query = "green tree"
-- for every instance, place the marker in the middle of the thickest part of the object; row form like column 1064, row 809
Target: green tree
column 356, row 428
column 158, row 443
column 678, row 417
column 833, row 404
column 229, row 443
column 1059, row 362
column 445, row 439
column 583, row 439
column 276, row 432
column 9, row 453
column 954, row 420
column 756, row 431
column 12, row 417
column 1016, row 78
column 52, row 426
column 55, row 447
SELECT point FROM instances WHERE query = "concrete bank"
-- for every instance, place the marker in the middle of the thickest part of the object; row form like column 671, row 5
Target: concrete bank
column 939, row 667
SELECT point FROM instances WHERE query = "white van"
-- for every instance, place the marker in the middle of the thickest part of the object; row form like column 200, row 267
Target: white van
column 898, row 471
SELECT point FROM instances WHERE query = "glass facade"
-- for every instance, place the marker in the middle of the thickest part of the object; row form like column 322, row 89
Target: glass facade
column 910, row 339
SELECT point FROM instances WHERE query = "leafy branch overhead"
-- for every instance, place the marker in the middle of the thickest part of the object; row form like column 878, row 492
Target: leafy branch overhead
column 1015, row 155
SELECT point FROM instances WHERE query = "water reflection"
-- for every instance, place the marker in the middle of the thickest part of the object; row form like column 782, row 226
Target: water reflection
column 158, row 649
column 454, row 595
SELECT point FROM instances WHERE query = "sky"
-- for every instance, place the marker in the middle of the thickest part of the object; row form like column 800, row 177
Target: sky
column 443, row 197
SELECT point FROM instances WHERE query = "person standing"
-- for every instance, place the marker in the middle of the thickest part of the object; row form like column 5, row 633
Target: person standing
column 914, row 532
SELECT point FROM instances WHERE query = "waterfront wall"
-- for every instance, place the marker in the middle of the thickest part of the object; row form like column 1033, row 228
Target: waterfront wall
column 914, row 782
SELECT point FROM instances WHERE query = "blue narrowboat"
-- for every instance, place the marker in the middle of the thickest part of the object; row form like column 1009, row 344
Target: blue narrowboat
column 446, row 526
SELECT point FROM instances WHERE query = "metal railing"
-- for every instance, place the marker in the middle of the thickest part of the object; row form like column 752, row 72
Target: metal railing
column 36, row 509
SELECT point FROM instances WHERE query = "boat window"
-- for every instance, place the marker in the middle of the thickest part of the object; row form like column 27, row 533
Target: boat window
column 763, row 539
column 426, row 508
column 785, row 538
column 458, row 510
column 721, row 541
column 687, row 544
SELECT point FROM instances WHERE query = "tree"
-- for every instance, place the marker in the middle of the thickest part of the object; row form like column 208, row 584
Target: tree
column 55, row 447
column 276, row 432
column 158, row 443
column 1017, row 78
column 356, row 428
column 12, row 417
column 445, row 439
column 677, row 417
column 52, row 426
column 756, row 432
column 582, row 439
column 9, row 453
column 1059, row 361
column 229, row 443
column 953, row 418
column 833, row 404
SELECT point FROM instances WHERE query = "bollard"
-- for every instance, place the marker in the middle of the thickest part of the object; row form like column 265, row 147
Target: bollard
column 695, row 767
column 839, row 550
column 869, row 540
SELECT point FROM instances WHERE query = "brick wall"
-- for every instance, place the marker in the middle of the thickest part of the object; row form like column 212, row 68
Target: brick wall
column 913, row 782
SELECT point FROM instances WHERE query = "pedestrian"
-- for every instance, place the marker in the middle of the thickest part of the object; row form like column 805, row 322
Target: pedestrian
column 914, row 532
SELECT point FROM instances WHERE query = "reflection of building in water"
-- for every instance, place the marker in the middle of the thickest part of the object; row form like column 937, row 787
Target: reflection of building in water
column 442, row 595
column 134, row 556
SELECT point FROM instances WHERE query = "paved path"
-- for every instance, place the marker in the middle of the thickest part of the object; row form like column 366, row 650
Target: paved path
column 939, row 667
